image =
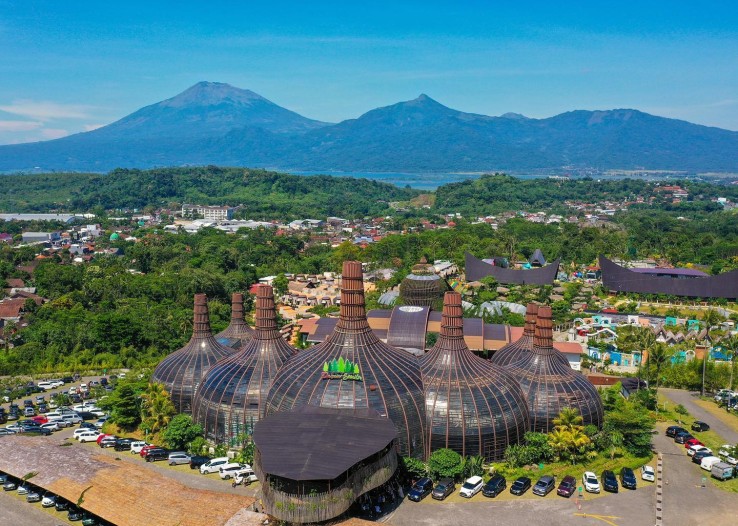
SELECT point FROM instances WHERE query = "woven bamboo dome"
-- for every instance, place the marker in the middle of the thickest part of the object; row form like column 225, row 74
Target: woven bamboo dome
column 423, row 287
column 472, row 406
column 232, row 395
column 352, row 369
column 550, row 384
column 238, row 333
column 513, row 351
column 182, row 370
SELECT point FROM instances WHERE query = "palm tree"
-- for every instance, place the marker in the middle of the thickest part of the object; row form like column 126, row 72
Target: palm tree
column 730, row 345
column 568, row 419
column 658, row 356
column 645, row 339
column 157, row 408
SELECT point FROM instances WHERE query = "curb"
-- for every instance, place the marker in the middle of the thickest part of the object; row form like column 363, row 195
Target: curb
column 659, row 489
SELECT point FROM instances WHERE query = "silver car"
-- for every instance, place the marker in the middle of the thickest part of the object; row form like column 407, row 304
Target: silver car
column 178, row 457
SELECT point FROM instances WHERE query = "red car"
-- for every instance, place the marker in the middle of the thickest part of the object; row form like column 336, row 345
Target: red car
column 610, row 310
column 145, row 449
column 40, row 419
column 692, row 442
column 567, row 486
column 102, row 435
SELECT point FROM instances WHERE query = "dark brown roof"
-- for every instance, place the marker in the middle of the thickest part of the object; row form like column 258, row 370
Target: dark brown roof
column 318, row 443
column 15, row 283
column 11, row 308
column 476, row 269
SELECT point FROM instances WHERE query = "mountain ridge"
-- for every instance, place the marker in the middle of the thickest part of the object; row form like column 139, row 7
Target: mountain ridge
column 216, row 123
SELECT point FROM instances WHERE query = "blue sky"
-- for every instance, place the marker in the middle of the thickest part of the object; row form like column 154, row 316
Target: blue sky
column 67, row 67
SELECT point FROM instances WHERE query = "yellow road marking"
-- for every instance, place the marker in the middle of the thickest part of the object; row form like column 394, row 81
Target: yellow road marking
column 603, row 518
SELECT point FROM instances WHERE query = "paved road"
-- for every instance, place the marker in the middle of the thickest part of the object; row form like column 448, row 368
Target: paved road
column 15, row 511
column 686, row 398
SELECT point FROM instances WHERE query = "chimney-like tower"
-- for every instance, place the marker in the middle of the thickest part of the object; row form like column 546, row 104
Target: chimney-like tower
column 512, row 352
column 238, row 332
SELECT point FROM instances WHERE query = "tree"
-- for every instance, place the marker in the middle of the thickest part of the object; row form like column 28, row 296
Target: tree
column 730, row 345
column 414, row 468
column 634, row 424
column 658, row 356
column 445, row 463
column 157, row 408
column 569, row 418
column 181, row 431
column 123, row 406
column 280, row 284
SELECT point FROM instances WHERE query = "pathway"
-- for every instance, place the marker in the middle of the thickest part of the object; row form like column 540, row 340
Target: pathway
column 717, row 422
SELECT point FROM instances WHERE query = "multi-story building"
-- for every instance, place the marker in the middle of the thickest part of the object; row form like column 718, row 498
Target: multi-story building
column 211, row 213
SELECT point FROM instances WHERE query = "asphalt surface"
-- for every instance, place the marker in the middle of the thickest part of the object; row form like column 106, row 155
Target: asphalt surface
column 686, row 398
column 17, row 512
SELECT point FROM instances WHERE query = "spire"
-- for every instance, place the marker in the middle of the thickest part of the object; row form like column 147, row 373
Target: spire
column 531, row 314
column 353, row 311
column 543, row 337
column 201, row 321
column 237, row 309
column 266, row 315
column 452, row 321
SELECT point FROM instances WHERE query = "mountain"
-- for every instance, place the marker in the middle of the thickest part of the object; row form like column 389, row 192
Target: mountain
column 214, row 123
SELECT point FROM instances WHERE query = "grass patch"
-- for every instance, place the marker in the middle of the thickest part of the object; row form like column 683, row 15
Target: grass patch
column 726, row 417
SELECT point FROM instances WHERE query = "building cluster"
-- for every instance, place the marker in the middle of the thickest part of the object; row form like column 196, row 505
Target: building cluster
column 254, row 382
column 17, row 300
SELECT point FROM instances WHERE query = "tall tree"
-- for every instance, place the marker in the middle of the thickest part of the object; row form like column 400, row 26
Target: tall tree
column 157, row 408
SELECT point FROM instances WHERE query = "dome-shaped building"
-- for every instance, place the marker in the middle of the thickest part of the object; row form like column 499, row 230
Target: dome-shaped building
column 182, row 370
column 353, row 369
column 550, row 384
column 232, row 395
column 513, row 351
column 423, row 287
column 238, row 333
column 472, row 406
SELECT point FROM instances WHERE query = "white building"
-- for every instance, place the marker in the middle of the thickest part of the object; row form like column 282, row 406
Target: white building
column 209, row 213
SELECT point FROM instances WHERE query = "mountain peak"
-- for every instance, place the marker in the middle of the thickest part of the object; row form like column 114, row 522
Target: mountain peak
column 514, row 116
column 211, row 93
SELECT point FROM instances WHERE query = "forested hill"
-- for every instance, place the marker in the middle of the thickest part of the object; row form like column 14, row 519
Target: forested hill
column 264, row 194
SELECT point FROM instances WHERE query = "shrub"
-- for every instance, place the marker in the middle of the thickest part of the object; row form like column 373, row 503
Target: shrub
column 445, row 463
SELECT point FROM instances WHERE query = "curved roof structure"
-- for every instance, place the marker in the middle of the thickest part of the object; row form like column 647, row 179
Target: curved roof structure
column 513, row 351
column 537, row 259
column 232, row 395
column 620, row 279
column 477, row 269
column 353, row 369
column 407, row 327
column 422, row 287
column 472, row 406
column 238, row 332
column 550, row 384
column 182, row 370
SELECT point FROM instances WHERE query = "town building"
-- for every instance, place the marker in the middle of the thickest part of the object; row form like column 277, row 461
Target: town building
column 208, row 212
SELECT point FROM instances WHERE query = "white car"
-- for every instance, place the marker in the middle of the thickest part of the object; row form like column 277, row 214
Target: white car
column 213, row 465
column 725, row 452
column 79, row 431
column 45, row 385
column 691, row 450
column 471, row 487
column 708, row 462
column 590, row 482
column 228, row 470
column 49, row 500
column 15, row 428
column 137, row 446
column 88, row 436
column 56, row 383
column 245, row 475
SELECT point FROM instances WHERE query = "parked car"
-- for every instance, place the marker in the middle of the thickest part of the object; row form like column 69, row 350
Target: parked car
column 73, row 418
column 520, row 486
column 609, row 481
column 156, row 453
column 100, row 422
column 74, row 514
column 494, row 486
column 471, row 487
column 88, row 436
column 671, row 431
column 647, row 473
column 45, row 385
column 682, row 437
column 692, row 442
column 226, row 471
column 567, row 486
column 722, row 471
column 590, row 482
column 51, row 426
column 6, row 431
column 48, row 500
column 443, row 489
column 33, row 495
column 61, row 504
column 89, row 520
column 145, row 449
column 23, row 488
column 108, row 441
column 29, row 411
column 197, row 460
column 726, row 452
column 123, row 444
column 544, row 485
column 10, row 485
column 691, row 450
column 137, row 446
column 627, row 478
column 245, row 475
column 698, row 425
column 178, row 457
column 708, row 462
column 697, row 457
column 213, row 465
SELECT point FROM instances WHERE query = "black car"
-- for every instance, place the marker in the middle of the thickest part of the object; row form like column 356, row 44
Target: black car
column 43, row 408
column 700, row 426
column 520, row 486
column 156, row 453
column 671, row 431
column 443, row 489
column 37, row 431
column 89, row 520
column 109, row 441
column 27, row 403
column 544, row 485
column 103, row 381
column 420, row 490
column 494, row 486
column 68, row 380
column 197, row 461
column 61, row 505
column 88, row 425
column 699, row 455
column 682, row 437
column 627, row 478
column 609, row 482
column 567, row 486
column 75, row 514
column 86, row 415
column 123, row 444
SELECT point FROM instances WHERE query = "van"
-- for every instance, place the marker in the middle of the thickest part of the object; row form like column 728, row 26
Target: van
column 708, row 462
column 212, row 466
column 46, row 385
column 178, row 457
column 722, row 471
column 228, row 470
column 72, row 418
